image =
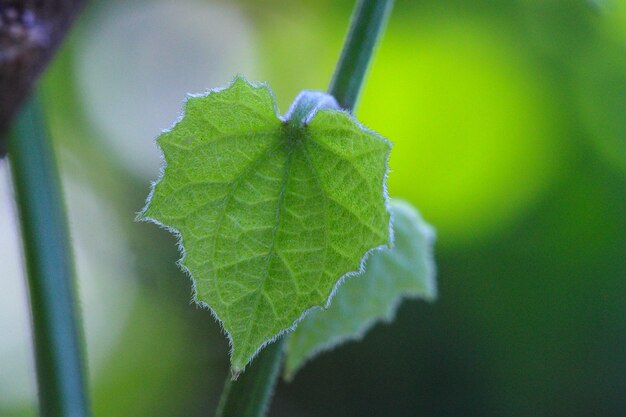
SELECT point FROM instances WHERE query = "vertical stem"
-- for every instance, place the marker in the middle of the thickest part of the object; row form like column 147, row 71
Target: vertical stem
column 60, row 378
column 368, row 22
column 250, row 394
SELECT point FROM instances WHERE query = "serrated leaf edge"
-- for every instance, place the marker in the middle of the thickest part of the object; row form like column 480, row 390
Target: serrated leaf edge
column 141, row 217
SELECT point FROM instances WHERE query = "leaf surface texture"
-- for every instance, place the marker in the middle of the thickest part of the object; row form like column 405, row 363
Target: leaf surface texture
column 270, row 214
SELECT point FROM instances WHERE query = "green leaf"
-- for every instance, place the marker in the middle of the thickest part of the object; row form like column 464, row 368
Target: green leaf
column 406, row 270
column 271, row 212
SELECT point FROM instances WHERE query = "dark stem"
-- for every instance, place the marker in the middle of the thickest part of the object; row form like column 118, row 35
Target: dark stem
column 30, row 33
column 249, row 395
column 368, row 22
column 60, row 378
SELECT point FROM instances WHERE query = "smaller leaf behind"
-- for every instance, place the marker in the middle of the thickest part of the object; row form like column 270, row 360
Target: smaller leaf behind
column 406, row 271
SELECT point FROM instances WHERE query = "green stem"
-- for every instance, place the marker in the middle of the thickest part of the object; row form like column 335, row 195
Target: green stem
column 60, row 379
column 368, row 22
column 249, row 395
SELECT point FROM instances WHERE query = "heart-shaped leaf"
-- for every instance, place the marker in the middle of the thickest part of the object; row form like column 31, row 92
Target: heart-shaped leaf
column 271, row 212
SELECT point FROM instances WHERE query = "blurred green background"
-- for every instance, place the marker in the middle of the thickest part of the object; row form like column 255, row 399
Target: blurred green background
column 508, row 119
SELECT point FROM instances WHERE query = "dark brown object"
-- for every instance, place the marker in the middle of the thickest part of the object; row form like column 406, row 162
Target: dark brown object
column 30, row 33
